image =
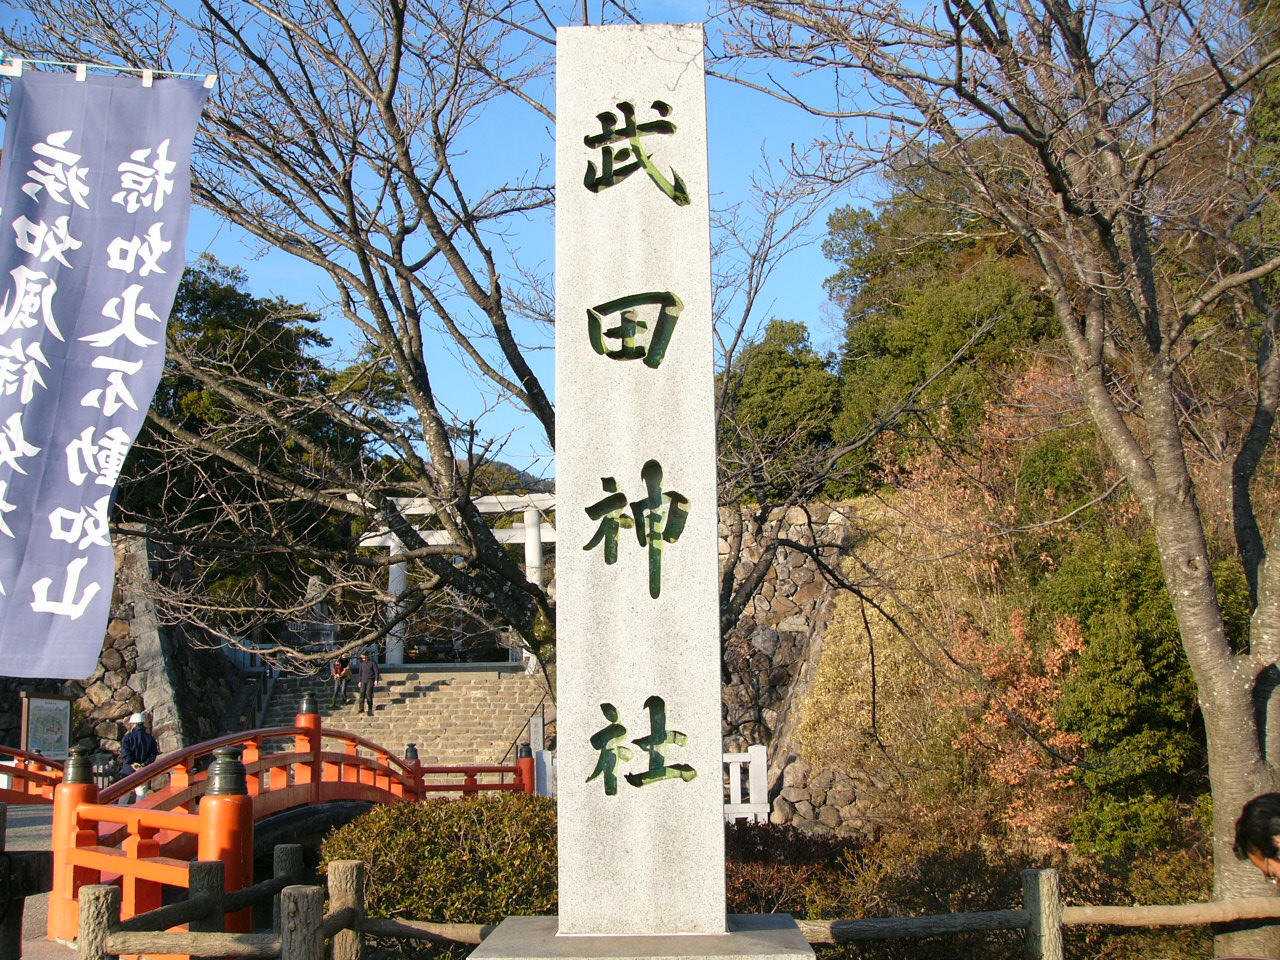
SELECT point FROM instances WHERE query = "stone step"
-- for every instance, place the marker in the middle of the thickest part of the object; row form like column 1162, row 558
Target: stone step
column 454, row 717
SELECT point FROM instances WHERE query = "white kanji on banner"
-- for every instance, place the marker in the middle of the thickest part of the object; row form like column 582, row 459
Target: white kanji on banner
column 14, row 445
column 127, row 310
column 99, row 458
column 84, row 527
column 116, row 394
column 68, row 606
column 57, row 172
column 45, row 242
column 145, row 181
column 30, row 303
column 125, row 254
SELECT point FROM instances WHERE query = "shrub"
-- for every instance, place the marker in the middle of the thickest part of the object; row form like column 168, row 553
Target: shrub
column 771, row 868
column 477, row 860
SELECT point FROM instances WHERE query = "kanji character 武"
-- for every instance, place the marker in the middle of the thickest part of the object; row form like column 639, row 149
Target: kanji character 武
column 618, row 163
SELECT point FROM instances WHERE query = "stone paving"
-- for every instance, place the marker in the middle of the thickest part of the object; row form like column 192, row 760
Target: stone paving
column 28, row 829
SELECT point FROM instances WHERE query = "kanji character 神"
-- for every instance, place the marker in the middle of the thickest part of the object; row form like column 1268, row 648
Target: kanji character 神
column 611, row 512
column 659, row 520
column 616, row 164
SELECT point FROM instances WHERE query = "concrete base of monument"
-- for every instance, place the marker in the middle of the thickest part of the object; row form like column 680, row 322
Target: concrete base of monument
column 750, row 937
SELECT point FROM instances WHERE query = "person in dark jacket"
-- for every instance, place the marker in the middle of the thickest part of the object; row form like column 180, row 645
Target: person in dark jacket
column 138, row 749
column 369, row 675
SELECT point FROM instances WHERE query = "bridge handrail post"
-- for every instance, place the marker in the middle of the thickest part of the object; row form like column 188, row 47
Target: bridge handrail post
column 286, row 861
column 140, row 896
column 310, row 742
column 252, row 753
column 470, row 783
column 77, row 787
column 99, row 911
column 346, row 889
column 226, row 829
column 524, row 769
column 414, row 765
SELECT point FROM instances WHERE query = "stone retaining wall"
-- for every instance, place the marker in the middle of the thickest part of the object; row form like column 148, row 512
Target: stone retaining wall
column 770, row 659
column 143, row 668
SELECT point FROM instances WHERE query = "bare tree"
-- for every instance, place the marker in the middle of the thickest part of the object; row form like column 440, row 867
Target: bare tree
column 338, row 133
column 1109, row 140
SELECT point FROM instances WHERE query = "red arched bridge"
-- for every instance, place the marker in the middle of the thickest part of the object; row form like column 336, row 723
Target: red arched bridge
column 207, row 811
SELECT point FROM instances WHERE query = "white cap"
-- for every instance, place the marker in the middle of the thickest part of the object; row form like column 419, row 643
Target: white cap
column 137, row 718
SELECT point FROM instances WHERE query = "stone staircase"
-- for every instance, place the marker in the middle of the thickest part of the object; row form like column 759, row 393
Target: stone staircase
column 459, row 715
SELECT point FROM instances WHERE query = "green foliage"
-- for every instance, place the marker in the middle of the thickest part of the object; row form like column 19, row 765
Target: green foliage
column 781, row 401
column 1131, row 696
column 887, row 354
column 477, row 860
column 919, row 290
column 220, row 332
column 783, row 388
column 1061, row 471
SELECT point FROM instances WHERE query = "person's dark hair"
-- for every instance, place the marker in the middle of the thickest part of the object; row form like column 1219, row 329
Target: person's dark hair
column 1258, row 827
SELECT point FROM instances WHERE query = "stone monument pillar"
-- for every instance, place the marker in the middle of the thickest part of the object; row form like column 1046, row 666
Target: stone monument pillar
column 640, row 779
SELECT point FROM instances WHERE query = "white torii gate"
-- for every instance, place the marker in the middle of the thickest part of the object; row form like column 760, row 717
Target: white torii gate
column 533, row 532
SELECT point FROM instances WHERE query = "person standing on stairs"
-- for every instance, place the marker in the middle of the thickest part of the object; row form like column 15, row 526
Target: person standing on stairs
column 369, row 676
column 340, row 673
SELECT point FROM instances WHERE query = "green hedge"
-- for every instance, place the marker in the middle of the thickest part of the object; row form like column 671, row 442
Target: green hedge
column 483, row 859
column 459, row 861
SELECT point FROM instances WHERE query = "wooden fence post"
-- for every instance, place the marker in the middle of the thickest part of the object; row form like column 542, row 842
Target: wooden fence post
column 286, row 862
column 1043, row 903
column 208, row 878
column 346, row 889
column 302, row 910
column 99, row 912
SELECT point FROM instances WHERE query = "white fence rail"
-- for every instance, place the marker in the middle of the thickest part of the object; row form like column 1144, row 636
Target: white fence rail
column 753, row 768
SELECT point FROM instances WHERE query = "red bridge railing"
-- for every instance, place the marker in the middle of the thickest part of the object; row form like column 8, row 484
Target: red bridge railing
column 31, row 776
column 209, row 812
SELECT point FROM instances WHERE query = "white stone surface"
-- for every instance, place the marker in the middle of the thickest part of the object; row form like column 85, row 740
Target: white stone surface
column 750, row 937
column 648, row 860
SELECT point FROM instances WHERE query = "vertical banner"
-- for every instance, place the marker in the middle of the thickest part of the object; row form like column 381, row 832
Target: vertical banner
column 640, row 783
column 94, row 202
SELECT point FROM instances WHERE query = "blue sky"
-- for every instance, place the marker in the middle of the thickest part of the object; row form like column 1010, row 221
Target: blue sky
column 746, row 130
